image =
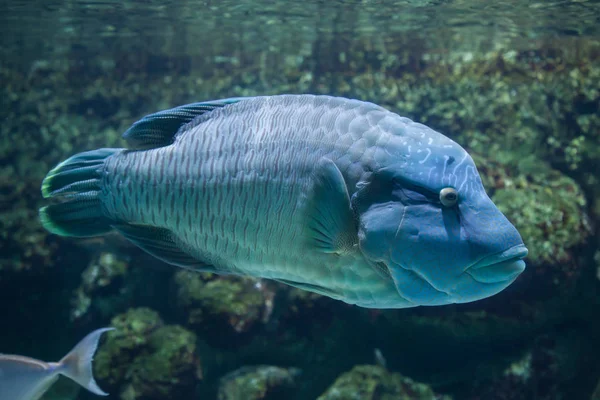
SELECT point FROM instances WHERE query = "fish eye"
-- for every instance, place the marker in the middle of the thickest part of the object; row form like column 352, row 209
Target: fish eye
column 448, row 197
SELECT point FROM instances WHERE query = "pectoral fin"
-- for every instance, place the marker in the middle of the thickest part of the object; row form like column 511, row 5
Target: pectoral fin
column 331, row 225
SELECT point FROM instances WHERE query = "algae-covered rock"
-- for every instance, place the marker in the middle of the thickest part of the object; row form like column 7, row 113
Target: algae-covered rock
column 167, row 369
column 131, row 336
column 100, row 282
column 145, row 359
column 373, row 382
column 260, row 382
column 221, row 305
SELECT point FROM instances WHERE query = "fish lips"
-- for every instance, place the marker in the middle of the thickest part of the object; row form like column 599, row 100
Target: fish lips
column 500, row 267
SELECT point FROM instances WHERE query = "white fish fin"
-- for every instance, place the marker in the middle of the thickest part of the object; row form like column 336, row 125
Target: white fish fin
column 159, row 129
column 331, row 222
column 160, row 243
column 77, row 365
column 43, row 389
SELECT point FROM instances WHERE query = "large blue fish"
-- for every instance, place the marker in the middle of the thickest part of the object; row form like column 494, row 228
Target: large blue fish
column 336, row 196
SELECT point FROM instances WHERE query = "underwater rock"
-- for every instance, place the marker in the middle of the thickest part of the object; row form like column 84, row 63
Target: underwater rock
column 100, row 285
column 261, row 382
column 145, row 359
column 536, row 374
column 373, row 382
column 130, row 337
column 222, row 307
column 168, row 369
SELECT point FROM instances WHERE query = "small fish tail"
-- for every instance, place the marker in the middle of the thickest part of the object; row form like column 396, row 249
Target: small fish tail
column 77, row 365
column 77, row 181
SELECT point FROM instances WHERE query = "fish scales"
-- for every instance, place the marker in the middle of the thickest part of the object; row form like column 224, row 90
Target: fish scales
column 251, row 171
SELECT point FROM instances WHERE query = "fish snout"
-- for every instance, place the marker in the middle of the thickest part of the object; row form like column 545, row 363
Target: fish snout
column 496, row 246
column 500, row 267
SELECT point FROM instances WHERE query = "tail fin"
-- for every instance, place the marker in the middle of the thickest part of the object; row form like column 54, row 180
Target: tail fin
column 77, row 181
column 77, row 365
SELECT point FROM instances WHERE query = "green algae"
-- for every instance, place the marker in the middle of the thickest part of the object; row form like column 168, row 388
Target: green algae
column 372, row 382
column 168, row 368
column 132, row 332
column 145, row 359
column 261, row 382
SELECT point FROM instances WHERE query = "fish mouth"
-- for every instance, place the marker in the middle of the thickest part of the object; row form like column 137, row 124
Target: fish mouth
column 500, row 267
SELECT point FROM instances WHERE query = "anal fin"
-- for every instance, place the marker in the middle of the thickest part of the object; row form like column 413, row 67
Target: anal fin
column 161, row 243
column 311, row 288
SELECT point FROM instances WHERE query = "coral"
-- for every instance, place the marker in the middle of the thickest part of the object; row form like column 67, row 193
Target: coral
column 372, row 382
column 260, row 382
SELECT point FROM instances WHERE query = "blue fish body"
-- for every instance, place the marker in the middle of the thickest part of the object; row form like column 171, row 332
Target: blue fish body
column 336, row 196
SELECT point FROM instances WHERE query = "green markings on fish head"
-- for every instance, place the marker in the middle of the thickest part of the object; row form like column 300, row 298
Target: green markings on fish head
column 425, row 219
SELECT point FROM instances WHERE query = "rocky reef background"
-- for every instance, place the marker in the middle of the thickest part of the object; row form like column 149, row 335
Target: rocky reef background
column 527, row 107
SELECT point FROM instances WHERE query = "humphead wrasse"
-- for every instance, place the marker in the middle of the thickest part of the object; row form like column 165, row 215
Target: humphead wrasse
column 335, row 196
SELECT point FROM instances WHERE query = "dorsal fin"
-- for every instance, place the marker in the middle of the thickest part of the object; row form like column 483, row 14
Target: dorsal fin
column 159, row 129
